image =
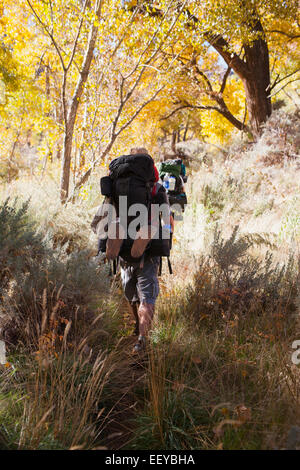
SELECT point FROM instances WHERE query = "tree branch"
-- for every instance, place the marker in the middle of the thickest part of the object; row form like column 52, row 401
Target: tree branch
column 226, row 75
column 185, row 106
column 205, row 77
column 49, row 34
column 223, row 110
column 231, row 58
column 78, row 34
column 284, row 86
column 284, row 33
column 276, row 81
column 85, row 67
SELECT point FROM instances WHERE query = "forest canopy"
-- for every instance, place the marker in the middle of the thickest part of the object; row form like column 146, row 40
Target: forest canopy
column 83, row 80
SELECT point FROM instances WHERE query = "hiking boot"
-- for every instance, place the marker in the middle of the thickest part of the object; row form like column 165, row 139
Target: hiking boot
column 116, row 235
column 140, row 346
column 143, row 237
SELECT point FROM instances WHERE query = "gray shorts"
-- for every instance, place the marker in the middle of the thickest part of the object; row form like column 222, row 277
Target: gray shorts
column 141, row 284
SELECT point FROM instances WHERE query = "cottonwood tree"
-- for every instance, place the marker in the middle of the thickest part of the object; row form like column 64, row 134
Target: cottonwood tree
column 240, row 31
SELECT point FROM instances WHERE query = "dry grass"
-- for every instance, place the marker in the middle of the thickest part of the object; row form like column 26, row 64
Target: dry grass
column 55, row 397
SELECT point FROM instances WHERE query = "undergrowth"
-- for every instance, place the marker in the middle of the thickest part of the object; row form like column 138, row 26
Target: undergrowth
column 220, row 371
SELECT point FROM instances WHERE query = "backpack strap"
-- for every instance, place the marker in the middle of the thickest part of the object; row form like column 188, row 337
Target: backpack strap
column 169, row 265
column 160, row 266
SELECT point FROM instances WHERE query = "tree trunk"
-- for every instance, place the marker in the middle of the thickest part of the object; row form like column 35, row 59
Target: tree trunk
column 254, row 71
column 173, row 141
column 71, row 113
column 257, row 84
column 66, row 161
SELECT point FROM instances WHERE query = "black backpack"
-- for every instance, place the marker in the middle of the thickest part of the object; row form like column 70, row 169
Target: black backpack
column 133, row 176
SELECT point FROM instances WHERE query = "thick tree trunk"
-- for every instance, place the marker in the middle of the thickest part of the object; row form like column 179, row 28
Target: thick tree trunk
column 258, row 105
column 257, row 84
column 254, row 71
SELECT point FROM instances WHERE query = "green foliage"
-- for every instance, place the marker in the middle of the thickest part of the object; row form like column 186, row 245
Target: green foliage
column 19, row 242
column 179, row 422
column 36, row 278
column 51, row 401
column 213, row 199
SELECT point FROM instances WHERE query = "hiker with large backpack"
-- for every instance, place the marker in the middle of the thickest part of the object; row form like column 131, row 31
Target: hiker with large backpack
column 137, row 243
column 173, row 176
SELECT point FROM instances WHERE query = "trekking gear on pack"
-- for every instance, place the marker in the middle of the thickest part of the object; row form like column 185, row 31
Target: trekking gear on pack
column 172, row 173
column 171, row 167
column 106, row 186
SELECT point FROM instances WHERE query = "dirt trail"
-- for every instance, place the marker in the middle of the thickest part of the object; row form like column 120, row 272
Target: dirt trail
column 128, row 382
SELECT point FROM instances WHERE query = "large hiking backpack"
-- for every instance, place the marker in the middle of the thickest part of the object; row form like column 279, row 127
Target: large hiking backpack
column 133, row 176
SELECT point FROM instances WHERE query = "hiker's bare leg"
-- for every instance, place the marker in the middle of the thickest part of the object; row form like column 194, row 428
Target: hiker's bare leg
column 145, row 312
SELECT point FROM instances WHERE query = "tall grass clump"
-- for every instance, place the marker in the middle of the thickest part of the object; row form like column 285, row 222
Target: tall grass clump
column 57, row 397
column 67, row 225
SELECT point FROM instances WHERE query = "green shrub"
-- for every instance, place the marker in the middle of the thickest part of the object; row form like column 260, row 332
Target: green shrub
column 20, row 244
column 232, row 281
column 36, row 278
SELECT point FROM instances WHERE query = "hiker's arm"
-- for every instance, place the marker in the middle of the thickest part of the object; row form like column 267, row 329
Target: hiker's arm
column 100, row 214
column 95, row 221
